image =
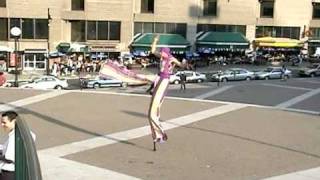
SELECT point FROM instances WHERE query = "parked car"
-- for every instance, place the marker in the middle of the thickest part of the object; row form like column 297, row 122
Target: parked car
column 101, row 81
column 233, row 74
column 46, row 82
column 192, row 76
column 312, row 71
column 273, row 73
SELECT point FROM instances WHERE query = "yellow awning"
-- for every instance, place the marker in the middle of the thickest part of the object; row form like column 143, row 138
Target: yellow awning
column 278, row 42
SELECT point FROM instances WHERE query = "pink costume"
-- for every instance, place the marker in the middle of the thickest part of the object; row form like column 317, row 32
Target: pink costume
column 160, row 89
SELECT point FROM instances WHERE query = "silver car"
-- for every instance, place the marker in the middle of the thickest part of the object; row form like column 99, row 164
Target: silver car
column 273, row 73
column 312, row 71
column 233, row 74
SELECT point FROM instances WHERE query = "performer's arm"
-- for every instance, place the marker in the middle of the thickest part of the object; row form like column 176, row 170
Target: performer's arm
column 154, row 45
column 176, row 62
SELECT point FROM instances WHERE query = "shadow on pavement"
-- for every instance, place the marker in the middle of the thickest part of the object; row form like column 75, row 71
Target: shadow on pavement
column 22, row 111
column 248, row 139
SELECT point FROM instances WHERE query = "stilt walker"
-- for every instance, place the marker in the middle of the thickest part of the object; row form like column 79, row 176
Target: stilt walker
column 167, row 63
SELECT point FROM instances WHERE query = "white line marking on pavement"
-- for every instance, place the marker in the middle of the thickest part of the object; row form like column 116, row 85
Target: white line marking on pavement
column 310, row 174
column 63, row 169
column 301, row 111
column 309, row 81
column 84, row 145
column 288, row 87
column 313, row 82
column 298, row 99
column 214, row 92
column 31, row 100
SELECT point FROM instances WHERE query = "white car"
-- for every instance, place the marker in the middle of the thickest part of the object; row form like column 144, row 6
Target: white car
column 191, row 76
column 46, row 82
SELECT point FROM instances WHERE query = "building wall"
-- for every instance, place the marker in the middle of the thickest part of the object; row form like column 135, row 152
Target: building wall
column 296, row 13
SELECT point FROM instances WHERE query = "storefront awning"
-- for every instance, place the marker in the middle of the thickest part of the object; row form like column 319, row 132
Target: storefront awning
column 175, row 42
column 5, row 49
column 277, row 42
column 222, row 40
column 72, row 48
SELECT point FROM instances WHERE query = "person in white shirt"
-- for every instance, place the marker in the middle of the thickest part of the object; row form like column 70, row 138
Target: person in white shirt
column 7, row 158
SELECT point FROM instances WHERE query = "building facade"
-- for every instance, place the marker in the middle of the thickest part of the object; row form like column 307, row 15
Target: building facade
column 108, row 26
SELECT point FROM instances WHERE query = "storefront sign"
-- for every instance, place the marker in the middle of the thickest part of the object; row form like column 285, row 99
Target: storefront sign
column 104, row 48
column 13, row 59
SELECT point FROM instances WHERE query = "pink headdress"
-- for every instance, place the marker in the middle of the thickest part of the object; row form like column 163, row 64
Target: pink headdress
column 167, row 51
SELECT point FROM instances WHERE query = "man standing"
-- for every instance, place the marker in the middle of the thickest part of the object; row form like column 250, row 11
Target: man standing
column 7, row 158
column 183, row 79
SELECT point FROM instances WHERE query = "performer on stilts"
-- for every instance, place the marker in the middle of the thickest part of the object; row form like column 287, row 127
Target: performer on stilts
column 167, row 63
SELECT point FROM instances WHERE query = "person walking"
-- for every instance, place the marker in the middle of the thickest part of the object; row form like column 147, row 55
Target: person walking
column 183, row 79
column 283, row 72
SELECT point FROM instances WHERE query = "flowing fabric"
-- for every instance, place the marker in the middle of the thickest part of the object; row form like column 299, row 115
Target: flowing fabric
column 115, row 71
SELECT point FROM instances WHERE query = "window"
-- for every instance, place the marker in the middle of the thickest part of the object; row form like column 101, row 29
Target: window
column 316, row 11
column 78, row 31
column 31, row 28
column 115, row 29
column 181, row 29
column 15, row 22
column 278, row 31
column 266, row 8
column 77, row 5
column 91, row 30
column 27, row 29
column 3, row 3
column 35, row 61
column 138, row 27
column 3, row 29
column 41, row 29
column 148, row 28
column 147, row 6
column 103, row 30
column 95, row 30
column 222, row 28
column 170, row 28
column 314, row 32
column 157, row 27
column 210, row 7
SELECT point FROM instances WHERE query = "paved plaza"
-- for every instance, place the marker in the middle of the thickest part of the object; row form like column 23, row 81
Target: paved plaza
column 105, row 135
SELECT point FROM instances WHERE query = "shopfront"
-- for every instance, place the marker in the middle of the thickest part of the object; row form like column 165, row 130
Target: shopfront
column 4, row 57
column 103, row 52
column 34, row 59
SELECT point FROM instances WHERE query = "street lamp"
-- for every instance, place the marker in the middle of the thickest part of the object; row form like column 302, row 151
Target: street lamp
column 16, row 32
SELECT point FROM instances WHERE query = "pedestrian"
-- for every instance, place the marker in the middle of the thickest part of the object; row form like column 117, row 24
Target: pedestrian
column 219, row 78
column 283, row 72
column 167, row 63
column 183, row 79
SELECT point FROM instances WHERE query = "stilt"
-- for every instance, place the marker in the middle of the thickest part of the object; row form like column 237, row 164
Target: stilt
column 154, row 146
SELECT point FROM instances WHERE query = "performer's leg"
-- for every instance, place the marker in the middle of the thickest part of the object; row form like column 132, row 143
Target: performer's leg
column 154, row 110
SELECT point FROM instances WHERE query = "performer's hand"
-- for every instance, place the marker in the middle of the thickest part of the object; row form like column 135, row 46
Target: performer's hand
column 184, row 63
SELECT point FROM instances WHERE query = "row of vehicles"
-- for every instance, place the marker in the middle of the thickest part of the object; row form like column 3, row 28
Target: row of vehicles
column 233, row 74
